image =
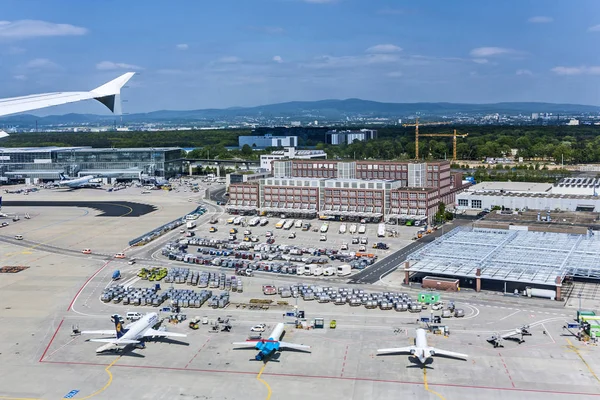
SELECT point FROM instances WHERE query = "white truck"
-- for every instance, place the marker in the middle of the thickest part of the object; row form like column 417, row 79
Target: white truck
column 344, row 270
column 325, row 227
column 381, row 230
column 264, row 221
column 362, row 229
column 288, row 224
column 343, row 228
column 298, row 223
column 191, row 224
column 329, row 271
column 317, row 270
column 352, row 229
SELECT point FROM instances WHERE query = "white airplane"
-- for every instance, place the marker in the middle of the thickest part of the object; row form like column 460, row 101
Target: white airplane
column 267, row 347
column 134, row 333
column 105, row 94
column 421, row 350
column 84, row 181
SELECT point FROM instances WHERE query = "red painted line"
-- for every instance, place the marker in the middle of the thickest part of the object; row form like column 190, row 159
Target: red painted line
column 253, row 373
column 86, row 282
column 195, row 355
column 344, row 363
column 506, row 369
column 52, row 339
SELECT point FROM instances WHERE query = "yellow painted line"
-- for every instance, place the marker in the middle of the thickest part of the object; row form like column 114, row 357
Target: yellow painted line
column 427, row 386
column 17, row 398
column 576, row 350
column 263, row 381
column 110, row 379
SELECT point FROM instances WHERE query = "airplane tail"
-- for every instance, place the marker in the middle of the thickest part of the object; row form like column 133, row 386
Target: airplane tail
column 62, row 176
column 118, row 326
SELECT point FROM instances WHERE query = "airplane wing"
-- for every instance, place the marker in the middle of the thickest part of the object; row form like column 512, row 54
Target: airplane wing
column 285, row 345
column 438, row 352
column 115, row 341
column 101, row 332
column 105, row 94
column 249, row 343
column 154, row 332
column 510, row 334
column 397, row 350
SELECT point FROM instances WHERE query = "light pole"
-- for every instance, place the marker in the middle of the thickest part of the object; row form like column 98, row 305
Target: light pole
column 579, row 295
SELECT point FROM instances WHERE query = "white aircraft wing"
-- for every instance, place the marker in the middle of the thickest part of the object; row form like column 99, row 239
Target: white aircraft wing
column 115, row 341
column 249, row 343
column 438, row 352
column 104, row 94
column 101, row 332
column 153, row 332
column 285, row 345
column 396, row 350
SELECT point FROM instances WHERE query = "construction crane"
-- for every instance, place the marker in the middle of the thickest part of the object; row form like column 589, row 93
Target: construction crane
column 416, row 125
column 453, row 135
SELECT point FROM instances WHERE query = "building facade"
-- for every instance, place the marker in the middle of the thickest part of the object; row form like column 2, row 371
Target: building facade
column 261, row 142
column 266, row 160
column 352, row 190
column 336, row 137
column 32, row 165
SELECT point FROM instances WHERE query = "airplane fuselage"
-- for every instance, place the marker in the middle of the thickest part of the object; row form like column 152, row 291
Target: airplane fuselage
column 137, row 329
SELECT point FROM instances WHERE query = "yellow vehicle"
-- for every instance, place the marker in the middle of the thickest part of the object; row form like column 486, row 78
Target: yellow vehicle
column 233, row 231
column 212, row 229
column 332, row 324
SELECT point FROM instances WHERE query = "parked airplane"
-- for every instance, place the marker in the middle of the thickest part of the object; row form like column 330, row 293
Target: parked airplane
column 421, row 350
column 2, row 215
column 84, row 181
column 105, row 94
column 134, row 333
column 267, row 347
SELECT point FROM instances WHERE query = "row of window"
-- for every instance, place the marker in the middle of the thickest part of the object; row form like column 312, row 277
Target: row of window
column 360, row 201
column 352, row 193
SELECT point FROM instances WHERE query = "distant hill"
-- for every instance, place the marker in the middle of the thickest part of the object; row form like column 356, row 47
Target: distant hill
column 327, row 109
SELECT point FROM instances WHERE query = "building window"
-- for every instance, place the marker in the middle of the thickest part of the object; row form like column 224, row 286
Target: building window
column 475, row 203
column 463, row 202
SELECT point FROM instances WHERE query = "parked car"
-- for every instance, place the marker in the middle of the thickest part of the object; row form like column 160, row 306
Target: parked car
column 258, row 328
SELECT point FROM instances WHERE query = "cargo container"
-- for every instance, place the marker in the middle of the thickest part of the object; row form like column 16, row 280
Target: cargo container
column 545, row 293
column 440, row 283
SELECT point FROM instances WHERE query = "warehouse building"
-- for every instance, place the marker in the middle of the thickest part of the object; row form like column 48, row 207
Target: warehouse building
column 266, row 160
column 570, row 194
column 42, row 164
column 375, row 190
column 512, row 259
column 262, row 142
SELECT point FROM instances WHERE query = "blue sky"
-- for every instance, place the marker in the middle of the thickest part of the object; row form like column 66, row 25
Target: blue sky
column 200, row 54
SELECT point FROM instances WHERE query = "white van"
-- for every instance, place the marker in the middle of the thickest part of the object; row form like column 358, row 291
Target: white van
column 19, row 237
column 134, row 316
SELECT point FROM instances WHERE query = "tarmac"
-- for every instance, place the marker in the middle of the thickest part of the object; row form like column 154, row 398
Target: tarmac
column 39, row 358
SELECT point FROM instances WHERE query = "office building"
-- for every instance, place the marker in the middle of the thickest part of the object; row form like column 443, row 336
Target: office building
column 266, row 160
column 262, row 142
column 336, row 137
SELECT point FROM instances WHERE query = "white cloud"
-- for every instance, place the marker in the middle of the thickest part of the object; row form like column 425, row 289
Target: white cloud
column 278, row 59
column 15, row 50
column 384, row 48
column 229, row 60
column 41, row 63
column 182, row 46
column 25, row 29
column 109, row 65
column 595, row 28
column 20, row 77
column 524, row 72
column 480, row 60
column 352, row 61
column 582, row 70
column 540, row 20
column 481, row 52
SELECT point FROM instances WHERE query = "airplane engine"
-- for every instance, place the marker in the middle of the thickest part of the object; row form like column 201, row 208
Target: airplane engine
column 431, row 352
column 413, row 351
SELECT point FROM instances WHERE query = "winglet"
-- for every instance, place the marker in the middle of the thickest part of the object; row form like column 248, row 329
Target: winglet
column 113, row 87
column 107, row 93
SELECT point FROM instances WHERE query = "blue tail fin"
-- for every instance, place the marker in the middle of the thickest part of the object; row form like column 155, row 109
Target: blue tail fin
column 119, row 326
column 62, row 177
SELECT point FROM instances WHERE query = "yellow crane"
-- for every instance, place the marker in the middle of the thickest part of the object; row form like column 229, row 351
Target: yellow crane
column 453, row 135
column 416, row 125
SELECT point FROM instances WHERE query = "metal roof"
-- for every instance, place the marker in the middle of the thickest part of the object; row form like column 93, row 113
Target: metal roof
column 510, row 255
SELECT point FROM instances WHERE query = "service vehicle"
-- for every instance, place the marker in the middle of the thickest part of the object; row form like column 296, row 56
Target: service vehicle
column 344, row 246
column 352, row 229
column 19, row 237
column 292, row 235
column 280, row 224
column 212, row 229
column 131, row 261
column 298, row 223
column 254, row 221
column 263, row 221
column 306, row 226
column 355, row 240
column 324, row 227
column 381, row 230
column 120, row 255
column 258, row 328
column 87, row 251
column 362, row 229
column 288, row 224
column 323, row 238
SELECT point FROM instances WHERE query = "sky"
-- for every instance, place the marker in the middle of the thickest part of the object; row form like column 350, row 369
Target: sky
column 192, row 54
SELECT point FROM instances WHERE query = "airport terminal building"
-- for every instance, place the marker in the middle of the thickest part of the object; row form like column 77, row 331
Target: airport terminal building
column 42, row 164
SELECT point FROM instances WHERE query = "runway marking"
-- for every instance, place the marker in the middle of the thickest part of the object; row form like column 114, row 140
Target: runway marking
column 18, row 398
column 427, row 385
column 510, row 315
column 198, row 352
column 548, row 333
column 110, row 379
column 506, row 369
column 52, row 339
column 258, row 378
column 344, row 363
column 576, row 350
